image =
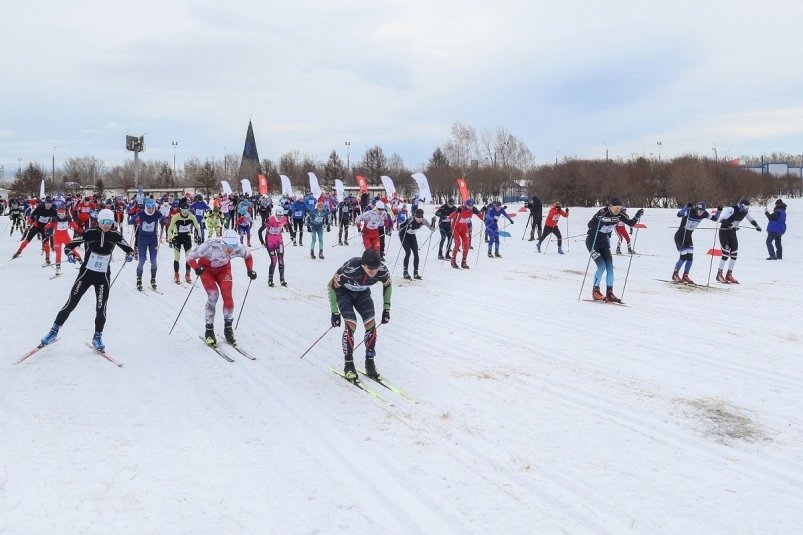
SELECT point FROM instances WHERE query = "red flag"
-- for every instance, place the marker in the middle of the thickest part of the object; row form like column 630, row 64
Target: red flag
column 362, row 183
column 462, row 188
column 263, row 184
column 715, row 252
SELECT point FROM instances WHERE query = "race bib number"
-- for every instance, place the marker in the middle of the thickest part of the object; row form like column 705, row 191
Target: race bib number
column 148, row 227
column 184, row 229
column 298, row 213
column 62, row 225
column 98, row 262
column 199, row 212
column 43, row 219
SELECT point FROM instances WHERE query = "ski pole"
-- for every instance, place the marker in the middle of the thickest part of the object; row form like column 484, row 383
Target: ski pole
column 529, row 218
column 316, row 341
column 713, row 247
column 627, row 274
column 590, row 255
column 399, row 253
column 547, row 242
column 567, row 229
column 243, row 305
column 185, row 304
column 428, row 250
column 118, row 273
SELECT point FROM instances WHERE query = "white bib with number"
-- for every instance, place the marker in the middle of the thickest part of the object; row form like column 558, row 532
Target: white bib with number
column 148, row 226
column 98, row 262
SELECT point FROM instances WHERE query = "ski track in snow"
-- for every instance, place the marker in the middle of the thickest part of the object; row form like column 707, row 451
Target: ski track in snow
column 537, row 413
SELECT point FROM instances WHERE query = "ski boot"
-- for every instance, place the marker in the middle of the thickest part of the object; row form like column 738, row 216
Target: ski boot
column 345, row 242
column 282, row 281
column 729, row 277
column 350, row 371
column 139, row 284
column 596, row 295
column 440, row 255
column 630, row 250
column 490, row 254
column 416, row 276
column 610, row 297
column 538, row 246
column 47, row 260
column 560, row 250
column 270, row 282
column 618, row 249
column 448, row 256
column 340, row 242
column 312, row 254
column 228, row 333
column 153, row 283
column 97, row 341
column 676, row 276
column 382, row 256
column 464, row 264
column 531, row 239
column 187, row 277
column 176, row 277
column 209, row 335
column 406, row 274
column 497, row 255
column 16, row 255
column 686, row 279
column 320, row 255
column 721, row 277
column 50, row 337
column 454, row 264
column 58, row 269
column 370, row 368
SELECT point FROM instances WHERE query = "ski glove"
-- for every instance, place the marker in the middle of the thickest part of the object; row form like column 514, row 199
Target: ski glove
column 328, row 228
column 689, row 205
column 719, row 208
column 129, row 257
column 71, row 258
column 199, row 270
column 640, row 213
column 198, row 239
column 309, row 228
column 335, row 320
column 385, row 316
column 758, row 228
column 252, row 274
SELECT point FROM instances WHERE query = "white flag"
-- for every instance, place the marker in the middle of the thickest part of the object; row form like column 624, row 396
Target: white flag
column 313, row 185
column 390, row 189
column 42, row 190
column 423, row 187
column 246, row 186
column 339, row 188
column 226, row 187
column 287, row 189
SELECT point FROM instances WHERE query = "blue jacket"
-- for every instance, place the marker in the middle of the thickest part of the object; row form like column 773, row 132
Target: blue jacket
column 777, row 223
column 298, row 210
column 492, row 215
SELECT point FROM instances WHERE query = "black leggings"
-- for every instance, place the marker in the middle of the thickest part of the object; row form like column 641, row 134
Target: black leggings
column 446, row 236
column 410, row 244
column 85, row 279
column 551, row 230
column 347, row 302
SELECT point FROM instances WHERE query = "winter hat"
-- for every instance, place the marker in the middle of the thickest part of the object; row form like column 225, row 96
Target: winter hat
column 469, row 202
column 105, row 215
column 230, row 238
column 379, row 205
column 419, row 212
column 779, row 202
column 557, row 204
column 616, row 201
column 370, row 259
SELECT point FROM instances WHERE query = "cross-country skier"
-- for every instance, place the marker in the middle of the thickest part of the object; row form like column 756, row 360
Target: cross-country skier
column 408, row 235
column 59, row 227
column 199, row 209
column 316, row 219
column 99, row 243
column 349, row 292
column 244, row 223
column 598, row 243
column 275, row 243
column 445, row 227
column 147, row 240
column 462, row 231
column 494, row 211
column 622, row 234
column 345, row 213
column 39, row 218
column 212, row 262
column 691, row 216
column 179, row 233
column 298, row 212
column 729, row 220
column 371, row 223
column 551, row 226
column 16, row 214
column 214, row 221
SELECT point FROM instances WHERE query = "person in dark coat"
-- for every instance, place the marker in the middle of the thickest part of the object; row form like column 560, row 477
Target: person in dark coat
column 536, row 213
column 775, row 229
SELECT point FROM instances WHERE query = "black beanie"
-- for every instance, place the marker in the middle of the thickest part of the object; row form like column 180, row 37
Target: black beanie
column 370, row 259
column 616, row 201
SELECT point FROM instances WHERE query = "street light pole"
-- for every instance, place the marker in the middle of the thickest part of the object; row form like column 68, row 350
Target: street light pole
column 606, row 150
column 53, row 169
column 225, row 163
column 556, row 158
column 175, row 144
column 714, row 148
column 348, row 161
column 19, row 169
column 659, row 150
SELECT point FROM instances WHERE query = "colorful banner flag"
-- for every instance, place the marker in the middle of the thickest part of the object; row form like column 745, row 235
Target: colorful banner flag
column 287, row 189
column 339, row 188
column 362, row 183
column 390, row 189
column 423, row 187
column 263, row 184
column 226, row 187
column 42, row 190
column 462, row 189
column 245, row 184
column 314, row 187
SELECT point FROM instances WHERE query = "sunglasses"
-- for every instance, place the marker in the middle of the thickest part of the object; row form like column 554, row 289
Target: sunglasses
column 106, row 222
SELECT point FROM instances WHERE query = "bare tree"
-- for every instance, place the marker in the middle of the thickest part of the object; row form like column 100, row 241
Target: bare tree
column 462, row 147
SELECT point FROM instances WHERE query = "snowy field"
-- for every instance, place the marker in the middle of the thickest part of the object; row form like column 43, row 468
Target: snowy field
column 536, row 413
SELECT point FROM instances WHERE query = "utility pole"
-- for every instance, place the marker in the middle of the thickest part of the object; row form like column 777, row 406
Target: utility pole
column 175, row 144
column 606, row 151
column 348, row 161
column 659, row 150
column 53, row 169
column 714, row 148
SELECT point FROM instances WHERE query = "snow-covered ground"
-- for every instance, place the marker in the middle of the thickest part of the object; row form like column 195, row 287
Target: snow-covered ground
column 536, row 413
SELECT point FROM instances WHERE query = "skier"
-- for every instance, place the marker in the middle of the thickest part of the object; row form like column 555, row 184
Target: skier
column 15, row 214
column 199, row 209
column 536, row 211
column 316, row 219
column 494, row 211
column 345, row 213
column 264, row 207
column 462, row 231
column 385, row 231
column 275, row 243
column 621, row 232
column 776, row 227
column 99, row 244
column 59, row 228
column 349, row 292
column 179, row 233
column 691, row 216
column 214, row 222
column 82, row 210
column 598, row 243
column 37, row 221
column 409, row 240
column 371, row 223
column 551, row 226
column 147, row 240
column 729, row 220
column 244, row 224
column 298, row 212
column 212, row 263
column 445, row 227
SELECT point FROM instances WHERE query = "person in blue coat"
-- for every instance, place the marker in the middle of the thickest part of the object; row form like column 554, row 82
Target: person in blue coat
column 298, row 212
column 492, row 215
column 775, row 229
column 199, row 209
column 146, row 239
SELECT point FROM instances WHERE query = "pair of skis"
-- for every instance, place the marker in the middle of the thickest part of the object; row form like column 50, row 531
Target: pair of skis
column 370, row 391
column 36, row 349
column 223, row 355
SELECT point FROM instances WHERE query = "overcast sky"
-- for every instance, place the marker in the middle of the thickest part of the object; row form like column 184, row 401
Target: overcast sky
column 567, row 77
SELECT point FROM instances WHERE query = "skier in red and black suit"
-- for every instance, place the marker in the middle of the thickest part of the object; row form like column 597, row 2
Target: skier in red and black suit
column 82, row 210
column 462, row 231
column 37, row 221
column 59, row 228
